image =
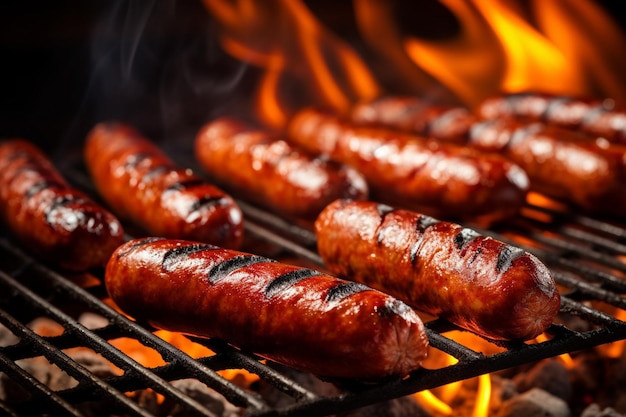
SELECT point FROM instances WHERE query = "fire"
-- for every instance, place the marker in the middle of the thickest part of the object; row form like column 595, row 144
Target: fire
column 286, row 40
column 440, row 401
column 557, row 47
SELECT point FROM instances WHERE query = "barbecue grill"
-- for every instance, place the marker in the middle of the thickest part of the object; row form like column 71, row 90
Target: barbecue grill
column 586, row 255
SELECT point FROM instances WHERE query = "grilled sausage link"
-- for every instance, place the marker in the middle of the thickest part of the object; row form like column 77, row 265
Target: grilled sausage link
column 56, row 221
column 273, row 172
column 560, row 163
column 437, row 178
column 299, row 317
column 414, row 115
column 474, row 281
column 143, row 185
column 592, row 116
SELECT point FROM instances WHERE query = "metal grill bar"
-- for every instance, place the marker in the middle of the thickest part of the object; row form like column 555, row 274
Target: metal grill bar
column 584, row 276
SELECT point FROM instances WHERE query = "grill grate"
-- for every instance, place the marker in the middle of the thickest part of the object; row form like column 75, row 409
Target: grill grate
column 587, row 256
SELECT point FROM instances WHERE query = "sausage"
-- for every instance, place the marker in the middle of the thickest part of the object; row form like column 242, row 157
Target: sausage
column 560, row 162
column 414, row 115
column 563, row 164
column 436, row 178
column 141, row 184
column 481, row 284
column 273, row 172
column 54, row 220
column 300, row 317
column 593, row 116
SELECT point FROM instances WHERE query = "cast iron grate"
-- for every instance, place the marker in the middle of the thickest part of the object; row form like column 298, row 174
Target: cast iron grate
column 586, row 255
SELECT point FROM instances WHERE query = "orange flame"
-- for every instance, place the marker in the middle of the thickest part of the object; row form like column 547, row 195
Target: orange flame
column 499, row 49
column 563, row 47
column 284, row 38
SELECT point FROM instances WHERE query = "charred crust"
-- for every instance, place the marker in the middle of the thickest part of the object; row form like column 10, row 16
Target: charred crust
column 288, row 279
column 222, row 269
column 175, row 255
column 40, row 186
column 506, row 257
column 60, row 202
column 206, row 201
column 343, row 290
column 464, row 237
column 423, row 223
column 135, row 159
column 383, row 210
column 185, row 185
column 154, row 172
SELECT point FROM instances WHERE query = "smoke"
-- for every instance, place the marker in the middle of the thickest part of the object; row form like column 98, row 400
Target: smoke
column 158, row 66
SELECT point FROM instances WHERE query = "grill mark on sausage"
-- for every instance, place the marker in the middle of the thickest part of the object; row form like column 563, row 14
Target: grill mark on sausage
column 183, row 185
column 288, row 279
column 40, row 186
column 464, row 237
column 506, row 257
column 135, row 159
column 383, row 210
column 137, row 244
column 224, row 268
column 154, row 171
column 423, row 223
column 343, row 290
column 59, row 202
column 206, row 201
column 174, row 256
column 553, row 106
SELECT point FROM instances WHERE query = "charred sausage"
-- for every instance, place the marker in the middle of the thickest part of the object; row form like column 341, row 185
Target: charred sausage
column 414, row 115
column 560, row 163
column 56, row 221
column 493, row 289
column 433, row 177
column 297, row 316
column 592, row 116
column 143, row 185
column 273, row 172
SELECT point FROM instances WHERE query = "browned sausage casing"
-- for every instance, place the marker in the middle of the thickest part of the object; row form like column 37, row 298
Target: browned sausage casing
column 48, row 216
column 592, row 116
column 142, row 184
column 436, row 178
column 560, row 163
column 273, row 172
column 414, row 115
column 474, row 281
column 299, row 317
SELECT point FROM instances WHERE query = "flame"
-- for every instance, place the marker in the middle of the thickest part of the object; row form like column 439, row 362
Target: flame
column 284, row 38
column 499, row 49
column 483, row 397
column 564, row 47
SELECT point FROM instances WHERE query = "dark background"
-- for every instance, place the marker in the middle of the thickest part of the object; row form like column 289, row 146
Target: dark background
column 156, row 64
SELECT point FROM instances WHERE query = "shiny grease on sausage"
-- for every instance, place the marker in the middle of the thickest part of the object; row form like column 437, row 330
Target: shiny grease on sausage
column 560, row 163
column 433, row 177
column 271, row 171
column 590, row 115
column 300, row 317
column 476, row 282
column 143, row 185
column 56, row 221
